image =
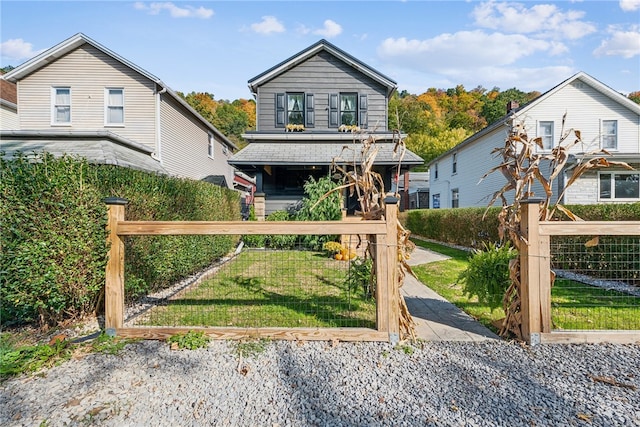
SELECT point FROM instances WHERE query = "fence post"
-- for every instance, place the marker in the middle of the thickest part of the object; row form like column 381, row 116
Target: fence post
column 530, row 270
column 391, row 259
column 114, row 277
column 259, row 205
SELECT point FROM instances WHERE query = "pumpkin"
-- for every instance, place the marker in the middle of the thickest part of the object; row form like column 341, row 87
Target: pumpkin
column 338, row 257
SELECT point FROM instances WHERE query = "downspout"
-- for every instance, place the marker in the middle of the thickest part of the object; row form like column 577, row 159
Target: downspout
column 158, row 153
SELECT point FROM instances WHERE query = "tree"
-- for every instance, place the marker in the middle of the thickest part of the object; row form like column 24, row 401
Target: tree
column 635, row 96
column 495, row 102
column 430, row 146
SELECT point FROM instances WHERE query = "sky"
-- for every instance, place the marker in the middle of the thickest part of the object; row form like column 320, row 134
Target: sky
column 217, row 46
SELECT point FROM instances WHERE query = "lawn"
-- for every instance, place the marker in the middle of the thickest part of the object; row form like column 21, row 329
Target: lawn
column 574, row 305
column 264, row 288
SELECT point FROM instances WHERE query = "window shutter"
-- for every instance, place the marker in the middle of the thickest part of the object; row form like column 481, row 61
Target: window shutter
column 364, row 117
column 280, row 110
column 333, row 110
column 310, row 114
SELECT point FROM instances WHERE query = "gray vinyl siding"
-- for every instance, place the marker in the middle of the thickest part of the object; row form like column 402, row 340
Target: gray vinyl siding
column 322, row 75
column 8, row 118
column 88, row 71
column 184, row 145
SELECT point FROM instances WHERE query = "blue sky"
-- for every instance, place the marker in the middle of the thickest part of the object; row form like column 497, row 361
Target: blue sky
column 217, row 46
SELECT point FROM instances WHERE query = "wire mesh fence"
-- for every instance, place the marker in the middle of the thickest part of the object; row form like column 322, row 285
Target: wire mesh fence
column 274, row 281
column 598, row 283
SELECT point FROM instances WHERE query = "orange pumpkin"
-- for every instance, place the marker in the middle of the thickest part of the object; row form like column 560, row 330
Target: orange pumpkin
column 338, row 256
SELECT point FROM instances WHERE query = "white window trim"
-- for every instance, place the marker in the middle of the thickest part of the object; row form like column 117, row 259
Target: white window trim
column 211, row 146
column 602, row 135
column 612, row 186
column 553, row 135
column 106, row 108
column 53, row 106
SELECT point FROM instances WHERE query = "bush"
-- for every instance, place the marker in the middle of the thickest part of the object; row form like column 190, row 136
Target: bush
column 487, row 275
column 462, row 226
column 53, row 233
column 281, row 241
column 53, row 239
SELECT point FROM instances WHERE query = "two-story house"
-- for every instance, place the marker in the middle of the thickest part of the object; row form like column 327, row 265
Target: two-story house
column 306, row 106
column 606, row 119
column 80, row 98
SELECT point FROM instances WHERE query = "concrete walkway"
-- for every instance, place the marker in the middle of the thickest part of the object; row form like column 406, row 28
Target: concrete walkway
column 436, row 318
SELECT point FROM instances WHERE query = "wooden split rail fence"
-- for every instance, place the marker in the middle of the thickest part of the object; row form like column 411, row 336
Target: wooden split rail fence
column 383, row 233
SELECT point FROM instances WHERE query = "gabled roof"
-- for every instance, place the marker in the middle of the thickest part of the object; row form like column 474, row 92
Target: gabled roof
column 74, row 42
column 522, row 111
column 314, row 49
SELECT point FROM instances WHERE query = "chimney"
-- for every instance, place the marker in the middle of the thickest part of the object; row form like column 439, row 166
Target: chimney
column 512, row 105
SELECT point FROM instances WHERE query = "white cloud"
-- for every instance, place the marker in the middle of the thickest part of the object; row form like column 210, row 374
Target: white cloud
column 268, row 25
column 465, row 49
column 175, row 11
column 621, row 43
column 629, row 5
column 330, row 29
column 16, row 49
column 544, row 20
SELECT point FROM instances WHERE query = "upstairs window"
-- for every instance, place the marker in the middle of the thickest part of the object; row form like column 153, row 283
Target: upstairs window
column 610, row 134
column 295, row 109
column 348, row 109
column 454, row 167
column 114, row 108
column 545, row 132
column 61, row 106
column 435, row 171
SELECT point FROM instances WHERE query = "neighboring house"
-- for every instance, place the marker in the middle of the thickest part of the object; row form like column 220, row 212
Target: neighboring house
column 605, row 118
column 81, row 98
column 303, row 107
column 8, row 105
column 414, row 190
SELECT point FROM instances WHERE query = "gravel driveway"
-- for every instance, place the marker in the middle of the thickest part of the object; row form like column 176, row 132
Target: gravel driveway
column 492, row 383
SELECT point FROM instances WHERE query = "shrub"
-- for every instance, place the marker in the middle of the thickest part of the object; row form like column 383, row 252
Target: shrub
column 360, row 276
column 487, row 275
column 54, row 241
column 281, row 241
column 461, row 226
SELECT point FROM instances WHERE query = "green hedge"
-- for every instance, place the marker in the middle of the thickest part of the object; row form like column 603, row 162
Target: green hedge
column 54, row 240
column 465, row 226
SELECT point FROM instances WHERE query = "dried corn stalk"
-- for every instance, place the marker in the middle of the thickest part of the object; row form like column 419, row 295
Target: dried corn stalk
column 521, row 167
column 355, row 167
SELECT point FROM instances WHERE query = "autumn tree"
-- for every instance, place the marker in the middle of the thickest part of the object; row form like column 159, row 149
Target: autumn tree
column 634, row 96
column 495, row 102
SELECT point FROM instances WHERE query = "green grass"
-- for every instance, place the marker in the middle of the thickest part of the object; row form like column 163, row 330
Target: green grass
column 574, row 305
column 272, row 289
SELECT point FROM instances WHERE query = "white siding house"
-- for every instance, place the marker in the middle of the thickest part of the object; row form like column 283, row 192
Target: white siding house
column 605, row 118
column 80, row 87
